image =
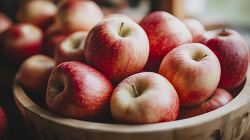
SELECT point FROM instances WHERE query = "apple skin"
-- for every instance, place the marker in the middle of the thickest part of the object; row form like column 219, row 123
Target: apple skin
column 38, row 12
column 37, row 68
column 194, row 71
column 207, row 35
column 78, row 91
column 144, row 98
column 78, row 15
column 71, row 48
column 118, row 47
column 196, row 29
column 219, row 98
column 5, row 23
column 164, row 32
column 233, row 54
column 3, row 122
column 21, row 41
column 52, row 39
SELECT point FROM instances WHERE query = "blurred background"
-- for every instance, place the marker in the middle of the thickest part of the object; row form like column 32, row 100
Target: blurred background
column 210, row 11
column 212, row 14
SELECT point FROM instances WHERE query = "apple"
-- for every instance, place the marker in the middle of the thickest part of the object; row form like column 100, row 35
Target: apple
column 78, row 15
column 52, row 42
column 5, row 23
column 207, row 35
column 38, row 12
column 194, row 71
column 53, row 37
column 219, row 98
column 144, row 98
column 118, row 47
column 71, row 48
column 233, row 54
column 165, row 32
column 3, row 122
column 196, row 28
column 21, row 41
column 34, row 73
column 78, row 91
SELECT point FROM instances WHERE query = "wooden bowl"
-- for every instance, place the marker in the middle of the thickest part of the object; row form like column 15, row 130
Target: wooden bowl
column 228, row 122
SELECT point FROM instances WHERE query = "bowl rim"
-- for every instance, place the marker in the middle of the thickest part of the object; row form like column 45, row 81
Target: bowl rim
column 239, row 101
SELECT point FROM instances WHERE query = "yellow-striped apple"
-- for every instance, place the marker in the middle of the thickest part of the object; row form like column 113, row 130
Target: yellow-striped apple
column 5, row 23
column 196, row 29
column 219, row 98
column 78, row 91
column 145, row 97
column 233, row 54
column 71, row 48
column 118, row 47
column 194, row 70
column 38, row 12
column 165, row 32
column 21, row 41
column 78, row 15
column 34, row 73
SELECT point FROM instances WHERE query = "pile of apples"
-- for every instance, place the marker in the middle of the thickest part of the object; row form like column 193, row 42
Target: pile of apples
column 94, row 68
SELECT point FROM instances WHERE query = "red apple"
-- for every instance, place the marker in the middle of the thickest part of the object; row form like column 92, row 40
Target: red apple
column 207, row 35
column 78, row 15
column 34, row 73
column 3, row 122
column 165, row 32
column 79, row 91
column 5, row 23
column 21, row 41
column 232, row 52
column 196, row 28
column 145, row 97
column 37, row 12
column 118, row 47
column 194, row 71
column 52, row 40
column 219, row 98
column 71, row 48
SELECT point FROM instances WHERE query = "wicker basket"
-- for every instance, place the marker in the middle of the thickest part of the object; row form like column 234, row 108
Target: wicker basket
column 228, row 122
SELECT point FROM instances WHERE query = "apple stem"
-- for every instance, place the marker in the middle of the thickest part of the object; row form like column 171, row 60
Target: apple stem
column 121, row 28
column 224, row 29
column 201, row 57
column 135, row 90
column 224, row 32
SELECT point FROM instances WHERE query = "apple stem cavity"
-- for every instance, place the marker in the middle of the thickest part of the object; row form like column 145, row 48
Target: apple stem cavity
column 136, row 94
column 123, row 31
column 59, row 87
column 76, row 43
column 224, row 32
